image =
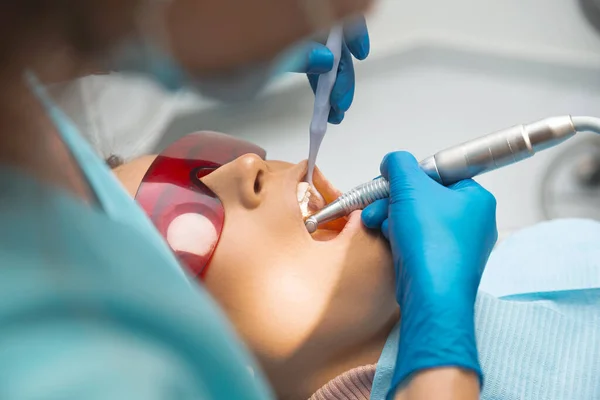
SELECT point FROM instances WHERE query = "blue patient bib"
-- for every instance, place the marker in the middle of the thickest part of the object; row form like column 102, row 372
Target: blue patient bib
column 95, row 305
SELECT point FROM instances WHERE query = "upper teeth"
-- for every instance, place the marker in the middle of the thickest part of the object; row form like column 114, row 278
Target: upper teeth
column 303, row 194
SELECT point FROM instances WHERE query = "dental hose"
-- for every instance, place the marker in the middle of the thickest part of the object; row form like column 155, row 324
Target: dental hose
column 586, row 124
column 466, row 160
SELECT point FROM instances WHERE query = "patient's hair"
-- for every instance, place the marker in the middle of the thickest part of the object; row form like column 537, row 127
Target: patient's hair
column 114, row 161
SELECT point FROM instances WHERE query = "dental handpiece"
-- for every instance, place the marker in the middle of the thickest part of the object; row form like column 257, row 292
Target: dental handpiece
column 318, row 123
column 465, row 161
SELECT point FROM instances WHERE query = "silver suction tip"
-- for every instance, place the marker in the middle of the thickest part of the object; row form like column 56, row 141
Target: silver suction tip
column 311, row 224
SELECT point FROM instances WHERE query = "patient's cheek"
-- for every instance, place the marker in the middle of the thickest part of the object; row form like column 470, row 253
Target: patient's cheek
column 192, row 233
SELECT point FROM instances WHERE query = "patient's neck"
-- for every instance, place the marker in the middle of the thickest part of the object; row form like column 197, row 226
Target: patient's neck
column 303, row 383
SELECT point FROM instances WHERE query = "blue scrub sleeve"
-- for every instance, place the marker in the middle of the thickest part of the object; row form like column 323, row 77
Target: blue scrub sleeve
column 90, row 358
column 91, row 309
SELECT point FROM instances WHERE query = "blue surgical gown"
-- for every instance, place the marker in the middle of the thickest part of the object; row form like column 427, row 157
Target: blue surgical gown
column 94, row 305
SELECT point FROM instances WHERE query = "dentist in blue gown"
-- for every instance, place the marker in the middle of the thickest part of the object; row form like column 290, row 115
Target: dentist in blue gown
column 94, row 305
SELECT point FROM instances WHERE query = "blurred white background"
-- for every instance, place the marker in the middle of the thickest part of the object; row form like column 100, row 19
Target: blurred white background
column 440, row 72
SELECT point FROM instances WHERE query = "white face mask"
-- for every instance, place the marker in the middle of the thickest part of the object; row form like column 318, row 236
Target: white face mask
column 119, row 115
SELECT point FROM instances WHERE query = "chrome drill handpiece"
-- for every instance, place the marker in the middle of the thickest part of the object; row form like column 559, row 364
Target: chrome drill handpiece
column 355, row 199
column 466, row 160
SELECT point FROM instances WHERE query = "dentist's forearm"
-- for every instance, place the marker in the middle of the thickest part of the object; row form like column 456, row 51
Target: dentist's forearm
column 441, row 384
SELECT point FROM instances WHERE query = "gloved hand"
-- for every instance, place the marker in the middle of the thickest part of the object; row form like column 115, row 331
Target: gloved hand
column 320, row 60
column 441, row 238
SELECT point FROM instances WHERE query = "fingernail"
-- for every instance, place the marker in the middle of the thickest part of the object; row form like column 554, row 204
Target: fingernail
column 385, row 158
column 320, row 60
column 366, row 219
column 385, row 229
column 345, row 103
column 336, row 118
column 365, row 48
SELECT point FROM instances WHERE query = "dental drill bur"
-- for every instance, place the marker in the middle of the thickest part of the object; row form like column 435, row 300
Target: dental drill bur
column 318, row 123
column 466, row 160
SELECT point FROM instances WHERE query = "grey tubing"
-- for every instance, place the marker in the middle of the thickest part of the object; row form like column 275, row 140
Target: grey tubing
column 586, row 124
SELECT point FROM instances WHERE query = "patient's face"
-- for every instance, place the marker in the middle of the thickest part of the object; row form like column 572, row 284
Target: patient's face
column 293, row 298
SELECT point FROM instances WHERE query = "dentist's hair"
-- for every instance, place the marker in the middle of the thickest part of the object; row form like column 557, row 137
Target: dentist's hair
column 83, row 29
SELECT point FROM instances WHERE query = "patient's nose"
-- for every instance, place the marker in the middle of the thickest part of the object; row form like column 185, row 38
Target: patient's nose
column 251, row 171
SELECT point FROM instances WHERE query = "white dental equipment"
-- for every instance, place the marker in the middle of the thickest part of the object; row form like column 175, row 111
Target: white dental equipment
column 318, row 124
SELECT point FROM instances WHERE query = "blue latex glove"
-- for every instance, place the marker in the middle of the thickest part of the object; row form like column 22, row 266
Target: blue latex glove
column 320, row 60
column 441, row 238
